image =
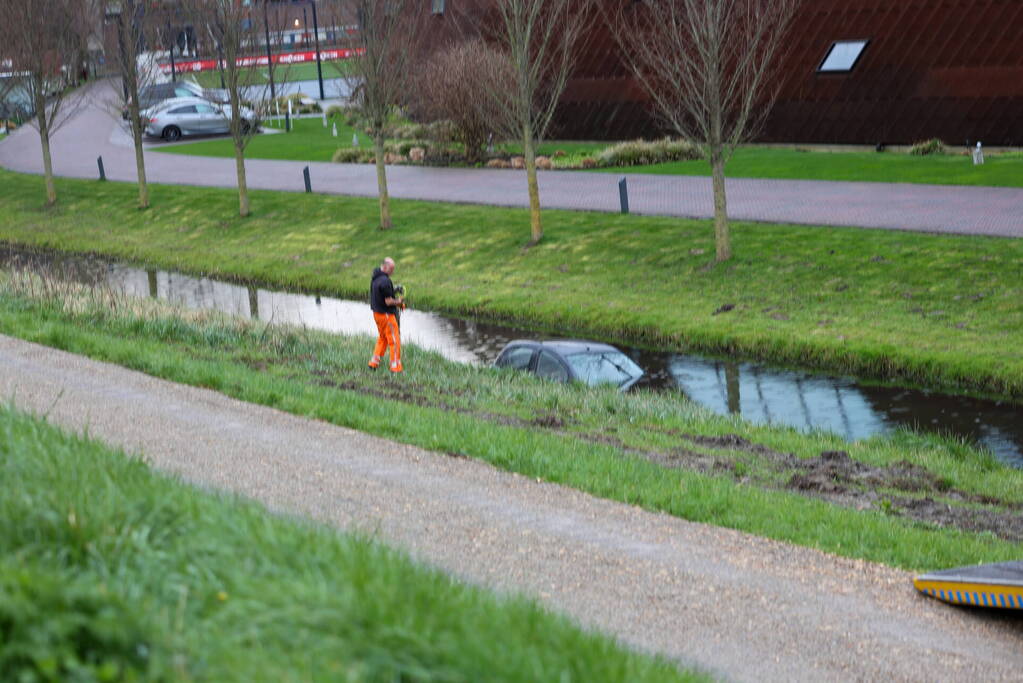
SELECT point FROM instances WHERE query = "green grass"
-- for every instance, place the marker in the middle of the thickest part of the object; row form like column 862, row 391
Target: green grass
column 284, row 73
column 112, row 572
column 937, row 310
column 1001, row 170
column 611, row 445
column 307, row 141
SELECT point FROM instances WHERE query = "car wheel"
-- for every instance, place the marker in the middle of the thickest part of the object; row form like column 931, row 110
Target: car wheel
column 171, row 133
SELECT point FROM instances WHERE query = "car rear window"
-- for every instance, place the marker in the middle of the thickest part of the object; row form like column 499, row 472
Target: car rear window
column 612, row 367
column 549, row 367
column 517, row 358
column 190, row 109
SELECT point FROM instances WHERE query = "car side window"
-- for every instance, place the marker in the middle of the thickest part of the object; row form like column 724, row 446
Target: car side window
column 205, row 109
column 183, row 92
column 517, row 358
column 549, row 367
column 190, row 109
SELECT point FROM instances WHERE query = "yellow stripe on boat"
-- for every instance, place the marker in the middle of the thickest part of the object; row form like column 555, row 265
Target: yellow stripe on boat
column 991, row 585
column 976, row 594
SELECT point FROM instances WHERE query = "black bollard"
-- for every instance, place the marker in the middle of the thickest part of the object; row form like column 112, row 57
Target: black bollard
column 305, row 176
column 623, row 194
column 102, row 173
column 287, row 122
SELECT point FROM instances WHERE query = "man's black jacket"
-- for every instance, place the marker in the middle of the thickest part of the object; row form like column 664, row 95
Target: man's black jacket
column 380, row 289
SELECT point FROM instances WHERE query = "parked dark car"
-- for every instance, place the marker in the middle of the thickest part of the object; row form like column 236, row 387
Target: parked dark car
column 589, row 362
column 152, row 95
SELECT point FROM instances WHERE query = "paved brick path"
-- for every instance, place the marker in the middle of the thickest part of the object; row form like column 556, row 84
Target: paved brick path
column 95, row 131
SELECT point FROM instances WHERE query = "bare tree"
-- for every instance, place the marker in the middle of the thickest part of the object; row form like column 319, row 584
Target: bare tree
column 132, row 34
column 708, row 68
column 379, row 74
column 540, row 39
column 235, row 32
column 448, row 88
column 46, row 42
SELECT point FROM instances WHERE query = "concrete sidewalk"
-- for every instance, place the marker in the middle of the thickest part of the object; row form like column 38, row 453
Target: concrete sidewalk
column 739, row 606
column 95, row 130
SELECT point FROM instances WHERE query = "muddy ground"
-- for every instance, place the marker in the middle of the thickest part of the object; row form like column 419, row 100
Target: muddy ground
column 902, row 488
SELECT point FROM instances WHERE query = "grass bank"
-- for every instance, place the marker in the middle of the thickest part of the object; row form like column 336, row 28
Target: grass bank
column 112, row 572
column 1000, row 170
column 908, row 501
column 941, row 311
column 308, row 140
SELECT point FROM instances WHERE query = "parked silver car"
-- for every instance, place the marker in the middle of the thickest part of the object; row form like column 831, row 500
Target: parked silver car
column 180, row 116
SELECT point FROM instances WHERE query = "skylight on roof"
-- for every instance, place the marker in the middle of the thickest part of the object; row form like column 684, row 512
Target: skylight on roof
column 842, row 56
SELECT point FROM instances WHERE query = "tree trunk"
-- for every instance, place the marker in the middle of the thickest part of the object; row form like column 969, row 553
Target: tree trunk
column 140, row 162
column 243, row 188
column 722, row 240
column 536, row 225
column 385, row 200
column 44, row 141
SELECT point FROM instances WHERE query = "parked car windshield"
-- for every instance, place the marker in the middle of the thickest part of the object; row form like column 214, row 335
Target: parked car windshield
column 598, row 367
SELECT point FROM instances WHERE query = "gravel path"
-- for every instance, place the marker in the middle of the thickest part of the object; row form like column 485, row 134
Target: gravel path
column 95, row 130
column 742, row 607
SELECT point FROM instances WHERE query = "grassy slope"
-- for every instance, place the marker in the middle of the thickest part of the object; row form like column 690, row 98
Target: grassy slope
column 307, row 141
column 453, row 408
column 1003, row 170
column 109, row 566
column 289, row 73
column 939, row 310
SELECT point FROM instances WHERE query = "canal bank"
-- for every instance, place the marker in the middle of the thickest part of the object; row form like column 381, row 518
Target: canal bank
column 758, row 392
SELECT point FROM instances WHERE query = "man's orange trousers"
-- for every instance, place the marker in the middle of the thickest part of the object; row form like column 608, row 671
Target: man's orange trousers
column 389, row 337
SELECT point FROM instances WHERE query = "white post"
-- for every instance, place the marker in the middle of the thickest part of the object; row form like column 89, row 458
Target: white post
column 978, row 155
column 334, row 132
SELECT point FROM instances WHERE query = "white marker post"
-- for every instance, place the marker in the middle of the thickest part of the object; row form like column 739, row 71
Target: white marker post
column 355, row 139
column 978, row 156
column 334, row 132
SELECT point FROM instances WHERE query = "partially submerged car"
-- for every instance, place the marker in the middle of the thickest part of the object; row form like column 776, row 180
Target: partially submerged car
column 181, row 116
column 589, row 362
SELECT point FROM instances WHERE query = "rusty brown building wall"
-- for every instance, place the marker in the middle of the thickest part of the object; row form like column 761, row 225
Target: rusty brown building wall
column 951, row 69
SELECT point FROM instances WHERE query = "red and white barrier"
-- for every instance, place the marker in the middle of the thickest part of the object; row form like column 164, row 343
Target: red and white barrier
column 282, row 58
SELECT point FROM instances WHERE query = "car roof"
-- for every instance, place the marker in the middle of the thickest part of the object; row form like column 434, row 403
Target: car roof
column 566, row 346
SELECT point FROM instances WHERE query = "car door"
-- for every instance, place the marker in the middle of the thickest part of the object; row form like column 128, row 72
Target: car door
column 213, row 119
column 185, row 117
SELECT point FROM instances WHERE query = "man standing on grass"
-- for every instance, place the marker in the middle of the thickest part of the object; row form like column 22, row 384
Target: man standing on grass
column 385, row 307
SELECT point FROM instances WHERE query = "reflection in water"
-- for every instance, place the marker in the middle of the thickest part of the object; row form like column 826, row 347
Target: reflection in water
column 758, row 393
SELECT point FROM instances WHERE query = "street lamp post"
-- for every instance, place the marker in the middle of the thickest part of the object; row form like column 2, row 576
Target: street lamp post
column 173, row 41
column 269, row 56
column 316, row 41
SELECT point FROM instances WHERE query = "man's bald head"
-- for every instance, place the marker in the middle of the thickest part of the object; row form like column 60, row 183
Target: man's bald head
column 388, row 265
